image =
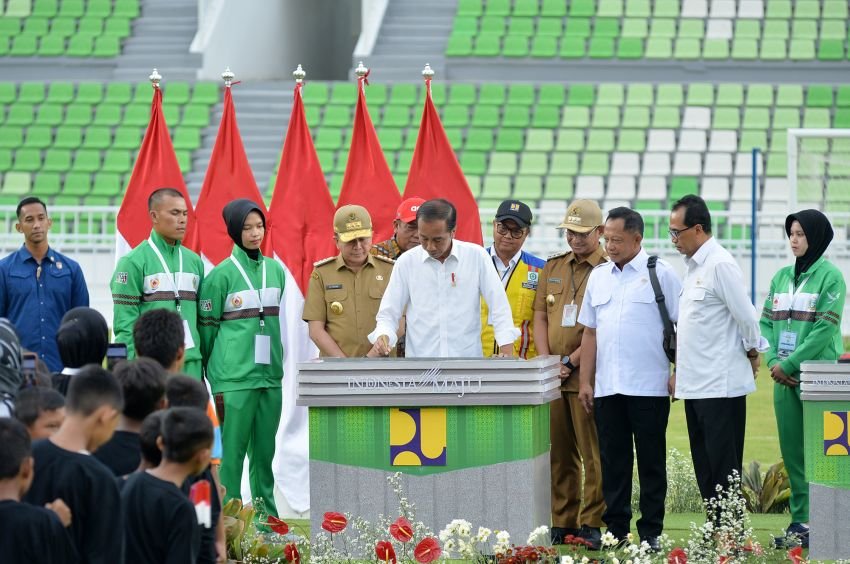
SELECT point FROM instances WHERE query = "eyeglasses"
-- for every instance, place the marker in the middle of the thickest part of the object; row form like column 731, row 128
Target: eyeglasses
column 674, row 233
column 502, row 229
column 580, row 236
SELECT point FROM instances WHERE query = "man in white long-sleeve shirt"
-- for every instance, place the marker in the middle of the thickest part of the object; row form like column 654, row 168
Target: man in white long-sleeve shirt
column 438, row 287
column 718, row 347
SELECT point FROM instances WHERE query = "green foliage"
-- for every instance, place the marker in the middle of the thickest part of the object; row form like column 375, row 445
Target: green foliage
column 768, row 493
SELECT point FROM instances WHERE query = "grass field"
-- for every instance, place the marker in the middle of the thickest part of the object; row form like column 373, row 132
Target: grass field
column 761, row 443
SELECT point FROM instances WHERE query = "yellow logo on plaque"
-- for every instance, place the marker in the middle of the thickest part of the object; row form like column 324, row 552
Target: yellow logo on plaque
column 418, row 436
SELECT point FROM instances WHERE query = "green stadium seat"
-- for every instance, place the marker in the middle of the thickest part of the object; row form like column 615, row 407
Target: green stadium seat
column 594, row 164
column 207, row 93
column 816, row 118
column 550, row 27
column 659, row 48
column 487, row 45
column 700, row 95
column 545, row 116
column 756, row 118
column 516, row 116
column 553, row 8
column 606, row 28
column 32, row 93
column 726, row 118
column 544, row 47
column 396, row 116
column 86, row 160
column 90, row 25
column 509, row 140
column 76, row 184
column 502, row 163
column 474, row 162
column 752, row 139
column 68, row 137
column 479, row 139
column 391, row 138
column 744, row 49
column 187, row 138
column 79, row 114
column 831, row 50
column 801, row 50
column 57, row 160
column 493, row 25
column 553, row 95
column 600, row 140
column 528, row 187
column 126, row 8
column 493, row 94
column 24, row 46
column 572, row 48
column 631, row 140
column 20, row 114
column 80, row 45
column 564, row 164
column 136, row 115
column 536, row 164
column 107, row 115
column 38, row 137
column 520, row 95
column 819, row 96
column 127, row 137
column 635, row 28
column 760, row 95
column 575, row 116
column 118, row 27
column 118, row 160
column 184, row 160
column 789, row 95
column 6, row 159
column 581, row 95
column 496, row 187
column 402, row 95
column 63, row 27
column 10, row 26
column 539, row 140
column 328, row 138
column 776, row 29
column 637, row 8
column 670, row 95
column 570, row 140
column 636, row 117
column 92, row 93
column 841, row 118
column 16, row 183
column 485, row 116
column 662, row 28
column 606, row 116
column 97, row 137
column 455, row 116
column 46, row 184
column 630, row 48
column 11, row 136
column 526, row 8
column 773, row 50
column 785, row 118
column 666, row 118
column 558, row 188
column 193, row 116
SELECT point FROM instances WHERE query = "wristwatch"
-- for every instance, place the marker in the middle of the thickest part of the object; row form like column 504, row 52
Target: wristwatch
column 565, row 360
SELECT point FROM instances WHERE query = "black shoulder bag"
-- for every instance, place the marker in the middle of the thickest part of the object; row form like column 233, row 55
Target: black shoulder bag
column 669, row 342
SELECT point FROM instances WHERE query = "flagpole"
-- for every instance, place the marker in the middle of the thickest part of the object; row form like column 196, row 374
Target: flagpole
column 227, row 76
column 362, row 74
column 428, row 74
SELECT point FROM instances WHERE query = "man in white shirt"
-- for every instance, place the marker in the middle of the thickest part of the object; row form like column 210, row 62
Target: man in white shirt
column 717, row 355
column 622, row 349
column 438, row 286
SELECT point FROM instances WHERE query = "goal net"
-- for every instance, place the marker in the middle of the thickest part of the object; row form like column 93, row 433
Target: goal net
column 819, row 177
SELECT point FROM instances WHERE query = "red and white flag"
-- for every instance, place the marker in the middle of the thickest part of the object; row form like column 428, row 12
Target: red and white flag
column 301, row 232
column 228, row 178
column 435, row 173
column 368, row 181
column 156, row 167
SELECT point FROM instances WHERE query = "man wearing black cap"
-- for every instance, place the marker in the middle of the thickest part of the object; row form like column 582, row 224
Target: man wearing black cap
column 518, row 271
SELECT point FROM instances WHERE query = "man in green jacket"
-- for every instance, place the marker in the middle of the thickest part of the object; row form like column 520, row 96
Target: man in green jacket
column 242, row 350
column 160, row 273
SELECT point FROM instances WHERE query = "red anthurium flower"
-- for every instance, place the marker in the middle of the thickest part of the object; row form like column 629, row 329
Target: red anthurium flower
column 334, row 522
column 401, row 530
column 290, row 552
column 795, row 555
column 278, row 526
column 385, row 552
column 427, row 550
column 677, row 556
column 722, row 559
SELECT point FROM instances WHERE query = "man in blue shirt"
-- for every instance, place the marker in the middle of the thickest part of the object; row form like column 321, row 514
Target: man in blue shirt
column 38, row 284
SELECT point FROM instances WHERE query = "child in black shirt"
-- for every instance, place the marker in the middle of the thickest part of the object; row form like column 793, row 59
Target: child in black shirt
column 28, row 533
column 161, row 525
column 143, row 384
column 64, row 467
column 41, row 409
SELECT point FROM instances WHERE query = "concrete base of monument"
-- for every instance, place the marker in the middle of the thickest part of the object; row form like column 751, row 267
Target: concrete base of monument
column 829, row 536
column 508, row 496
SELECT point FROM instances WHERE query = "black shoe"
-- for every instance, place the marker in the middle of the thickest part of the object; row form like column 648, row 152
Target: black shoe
column 558, row 534
column 654, row 544
column 796, row 534
column 592, row 536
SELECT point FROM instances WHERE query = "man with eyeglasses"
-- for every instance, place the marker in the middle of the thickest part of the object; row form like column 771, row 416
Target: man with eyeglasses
column 560, row 292
column 717, row 355
column 519, row 272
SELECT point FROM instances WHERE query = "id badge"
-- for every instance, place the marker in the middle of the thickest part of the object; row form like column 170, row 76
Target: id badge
column 787, row 344
column 188, row 341
column 568, row 319
column 262, row 349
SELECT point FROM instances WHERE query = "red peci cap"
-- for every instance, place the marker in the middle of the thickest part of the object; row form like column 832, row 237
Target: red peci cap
column 408, row 208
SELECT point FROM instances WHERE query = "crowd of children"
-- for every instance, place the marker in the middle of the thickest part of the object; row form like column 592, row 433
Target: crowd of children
column 100, row 466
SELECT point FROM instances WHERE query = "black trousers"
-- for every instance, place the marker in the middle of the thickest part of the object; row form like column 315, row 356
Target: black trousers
column 627, row 425
column 716, row 433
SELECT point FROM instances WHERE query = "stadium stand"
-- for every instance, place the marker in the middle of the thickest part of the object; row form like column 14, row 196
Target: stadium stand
column 711, row 30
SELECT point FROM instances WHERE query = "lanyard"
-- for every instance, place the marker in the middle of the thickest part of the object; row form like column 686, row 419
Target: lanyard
column 504, row 276
column 573, row 280
column 175, row 278
column 251, row 286
column 794, row 293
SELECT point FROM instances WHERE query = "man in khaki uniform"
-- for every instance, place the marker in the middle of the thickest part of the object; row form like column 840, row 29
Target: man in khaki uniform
column 560, row 291
column 345, row 291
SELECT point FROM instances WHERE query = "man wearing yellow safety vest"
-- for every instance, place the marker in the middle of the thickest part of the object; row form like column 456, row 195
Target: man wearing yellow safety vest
column 519, row 271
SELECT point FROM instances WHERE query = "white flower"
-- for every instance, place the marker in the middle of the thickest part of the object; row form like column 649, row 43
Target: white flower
column 630, row 537
column 483, row 534
column 608, row 539
column 585, row 560
column 567, row 559
column 538, row 535
column 444, row 535
column 615, row 560
column 449, row 545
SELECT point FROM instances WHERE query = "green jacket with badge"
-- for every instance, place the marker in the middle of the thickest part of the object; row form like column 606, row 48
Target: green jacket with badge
column 140, row 284
column 804, row 323
column 229, row 322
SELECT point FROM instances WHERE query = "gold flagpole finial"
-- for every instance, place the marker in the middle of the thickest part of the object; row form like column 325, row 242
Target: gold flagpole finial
column 299, row 75
column 155, row 78
column 227, row 76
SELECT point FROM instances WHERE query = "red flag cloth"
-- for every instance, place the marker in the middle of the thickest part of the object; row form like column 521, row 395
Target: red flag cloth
column 228, row 178
column 301, row 212
column 368, row 181
column 156, row 167
column 435, row 173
